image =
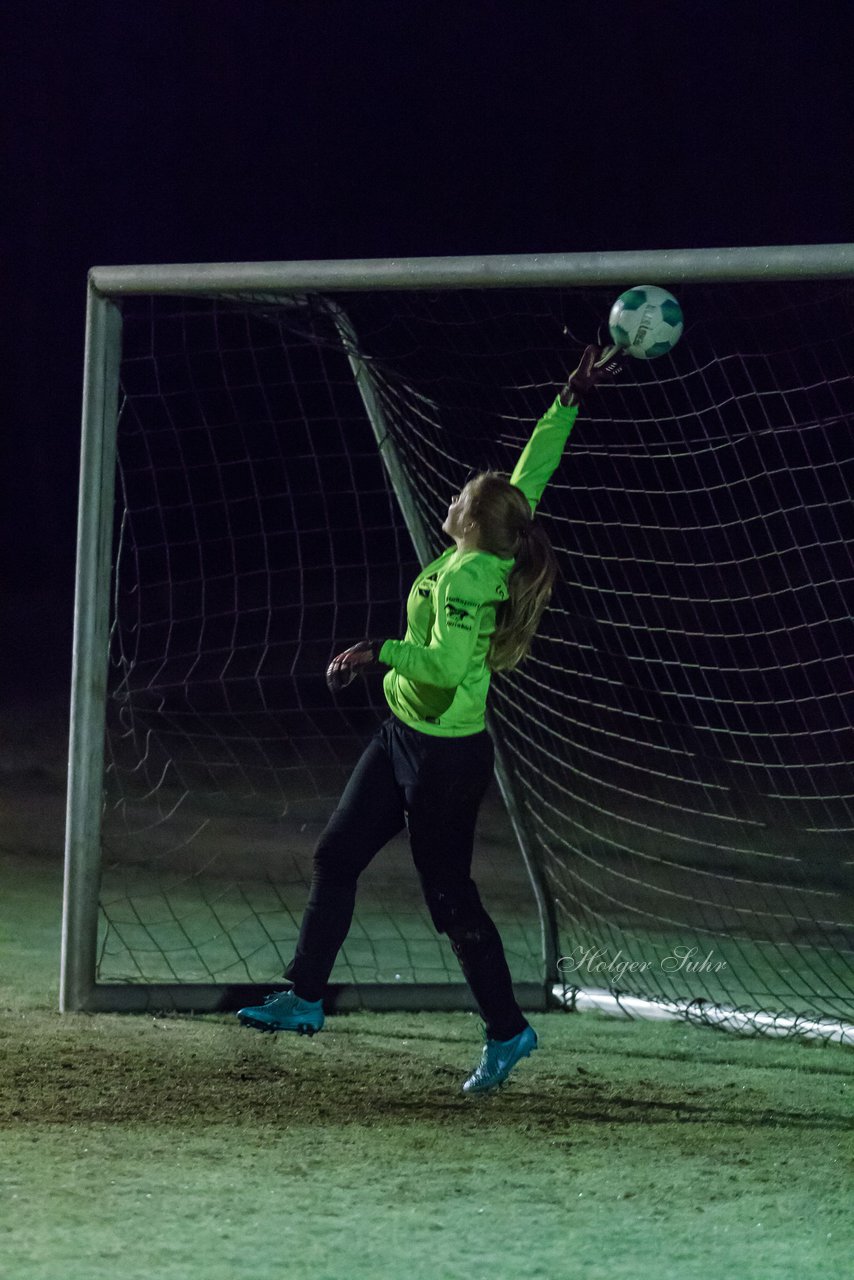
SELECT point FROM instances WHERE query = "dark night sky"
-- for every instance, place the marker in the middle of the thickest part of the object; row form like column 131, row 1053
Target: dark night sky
column 226, row 130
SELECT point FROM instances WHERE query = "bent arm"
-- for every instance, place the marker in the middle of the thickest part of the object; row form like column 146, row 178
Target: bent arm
column 445, row 659
column 544, row 450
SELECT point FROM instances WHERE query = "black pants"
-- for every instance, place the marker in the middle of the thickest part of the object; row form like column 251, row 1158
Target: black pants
column 435, row 786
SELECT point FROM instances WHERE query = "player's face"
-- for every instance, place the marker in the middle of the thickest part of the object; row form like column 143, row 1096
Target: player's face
column 457, row 519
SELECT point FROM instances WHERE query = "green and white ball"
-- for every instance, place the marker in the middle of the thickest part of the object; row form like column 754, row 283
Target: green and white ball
column 646, row 321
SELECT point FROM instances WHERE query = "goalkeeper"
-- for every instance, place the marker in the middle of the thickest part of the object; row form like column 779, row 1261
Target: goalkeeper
column 472, row 611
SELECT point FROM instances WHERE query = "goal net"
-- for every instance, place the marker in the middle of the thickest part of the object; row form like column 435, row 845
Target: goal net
column 672, row 822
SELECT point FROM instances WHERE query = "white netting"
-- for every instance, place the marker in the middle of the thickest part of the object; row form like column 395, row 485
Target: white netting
column 256, row 537
column 681, row 732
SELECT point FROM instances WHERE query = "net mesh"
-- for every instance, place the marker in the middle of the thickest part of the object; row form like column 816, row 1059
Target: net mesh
column 680, row 734
column 256, row 536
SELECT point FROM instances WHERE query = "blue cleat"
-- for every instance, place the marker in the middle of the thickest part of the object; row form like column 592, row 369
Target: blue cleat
column 498, row 1059
column 284, row 1011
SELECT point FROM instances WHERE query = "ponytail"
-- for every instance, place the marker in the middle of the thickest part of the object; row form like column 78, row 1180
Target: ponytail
column 506, row 529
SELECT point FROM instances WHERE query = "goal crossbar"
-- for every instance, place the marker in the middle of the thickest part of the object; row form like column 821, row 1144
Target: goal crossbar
column 772, row 262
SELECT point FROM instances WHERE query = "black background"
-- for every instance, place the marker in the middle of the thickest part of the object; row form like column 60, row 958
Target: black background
column 225, row 130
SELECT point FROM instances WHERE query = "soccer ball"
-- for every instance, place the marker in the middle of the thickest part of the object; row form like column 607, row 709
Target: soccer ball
column 646, row 321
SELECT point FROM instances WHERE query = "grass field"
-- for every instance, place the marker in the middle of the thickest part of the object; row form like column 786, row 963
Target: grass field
column 191, row 1147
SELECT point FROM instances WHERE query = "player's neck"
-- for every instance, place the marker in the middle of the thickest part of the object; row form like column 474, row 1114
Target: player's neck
column 465, row 545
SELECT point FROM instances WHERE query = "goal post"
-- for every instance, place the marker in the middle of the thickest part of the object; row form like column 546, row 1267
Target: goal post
column 89, row 660
column 284, row 426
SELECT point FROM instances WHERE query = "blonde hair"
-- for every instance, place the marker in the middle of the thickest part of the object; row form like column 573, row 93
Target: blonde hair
column 506, row 528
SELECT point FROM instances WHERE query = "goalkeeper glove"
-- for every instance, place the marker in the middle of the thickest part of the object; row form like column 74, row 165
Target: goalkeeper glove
column 598, row 364
column 359, row 659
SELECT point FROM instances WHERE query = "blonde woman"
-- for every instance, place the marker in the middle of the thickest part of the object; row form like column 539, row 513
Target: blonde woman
column 471, row 612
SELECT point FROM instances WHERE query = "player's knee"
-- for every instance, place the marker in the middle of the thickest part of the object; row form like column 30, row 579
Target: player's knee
column 457, row 912
column 335, row 858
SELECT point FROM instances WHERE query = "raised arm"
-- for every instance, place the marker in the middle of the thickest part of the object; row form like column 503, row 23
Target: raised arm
column 544, row 450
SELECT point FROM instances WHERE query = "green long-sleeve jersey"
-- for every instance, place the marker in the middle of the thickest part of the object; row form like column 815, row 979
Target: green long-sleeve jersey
column 439, row 677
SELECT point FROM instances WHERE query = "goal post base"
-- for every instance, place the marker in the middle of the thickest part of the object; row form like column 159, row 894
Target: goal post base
column 703, row 1013
column 389, row 997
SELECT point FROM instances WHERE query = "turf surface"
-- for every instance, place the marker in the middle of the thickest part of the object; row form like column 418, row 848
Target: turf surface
column 188, row 1147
